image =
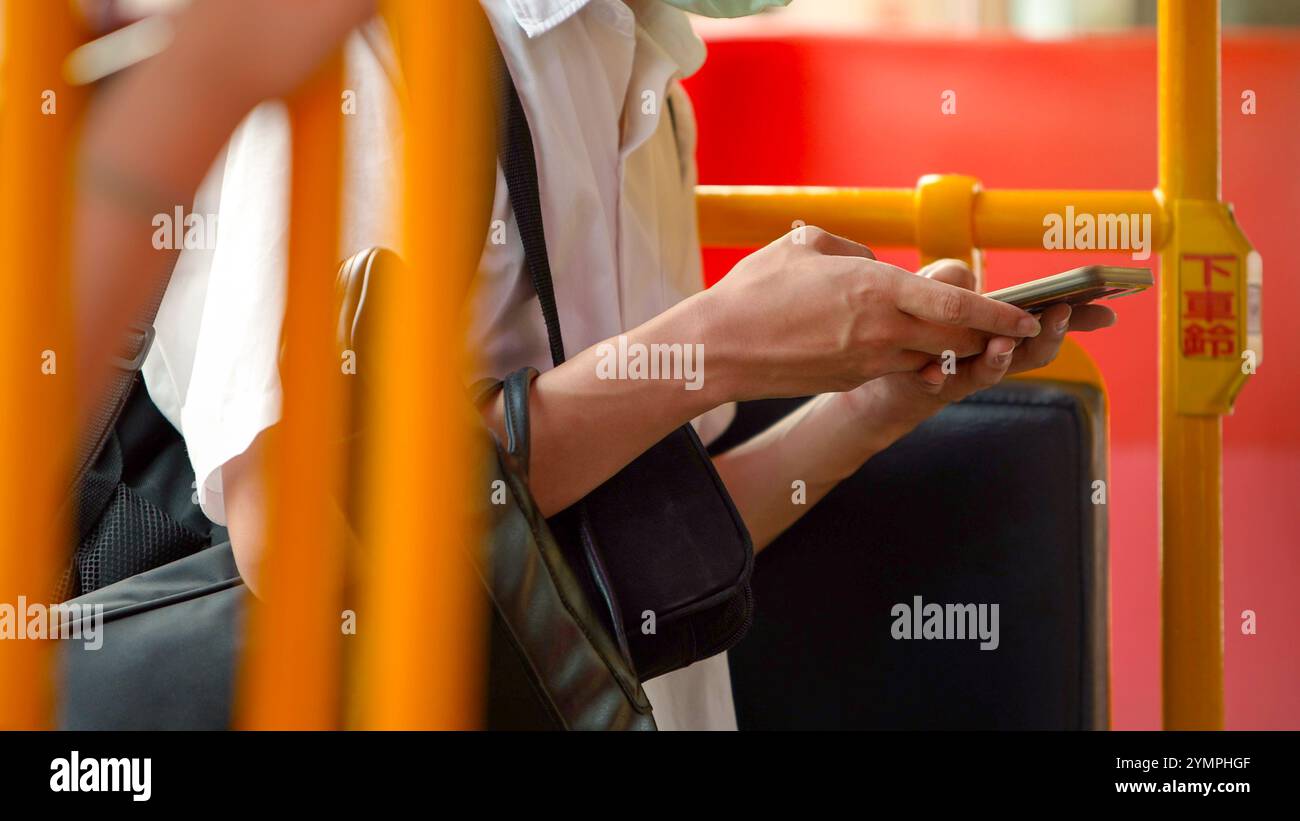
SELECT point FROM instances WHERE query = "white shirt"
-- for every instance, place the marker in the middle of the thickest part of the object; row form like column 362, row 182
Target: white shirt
column 213, row 370
column 617, row 194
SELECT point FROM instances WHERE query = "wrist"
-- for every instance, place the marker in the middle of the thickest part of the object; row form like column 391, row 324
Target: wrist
column 662, row 363
column 696, row 318
column 688, row 323
column 877, row 416
column 860, row 435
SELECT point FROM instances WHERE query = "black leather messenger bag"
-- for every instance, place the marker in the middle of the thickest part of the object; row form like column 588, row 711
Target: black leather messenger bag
column 661, row 542
column 173, row 607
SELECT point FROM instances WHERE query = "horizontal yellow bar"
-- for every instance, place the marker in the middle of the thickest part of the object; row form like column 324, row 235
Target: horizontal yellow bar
column 746, row 216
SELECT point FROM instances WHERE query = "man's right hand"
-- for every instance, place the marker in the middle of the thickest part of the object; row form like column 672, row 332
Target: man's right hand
column 813, row 312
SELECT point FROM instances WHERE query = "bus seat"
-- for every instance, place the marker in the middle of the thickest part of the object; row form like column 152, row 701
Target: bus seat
column 991, row 502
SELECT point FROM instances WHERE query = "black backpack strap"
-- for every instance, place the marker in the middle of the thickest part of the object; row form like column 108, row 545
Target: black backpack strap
column 125, row 369
column 520, row 167
column 89, row 494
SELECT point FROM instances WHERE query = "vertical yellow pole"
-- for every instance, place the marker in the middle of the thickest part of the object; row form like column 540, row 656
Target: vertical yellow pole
column 420, row 625
column 293, row 674
column 1190, row 442
column 945, row 218
column 39, row 115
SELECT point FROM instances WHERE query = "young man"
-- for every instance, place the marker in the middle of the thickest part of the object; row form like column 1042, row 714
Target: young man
column 614, row 138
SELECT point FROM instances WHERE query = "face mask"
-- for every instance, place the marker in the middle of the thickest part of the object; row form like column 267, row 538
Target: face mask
column 725, row 8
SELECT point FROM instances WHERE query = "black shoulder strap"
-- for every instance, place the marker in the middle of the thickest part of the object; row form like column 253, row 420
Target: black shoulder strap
column 515, row 150
column 125, row 370
column 520, row 167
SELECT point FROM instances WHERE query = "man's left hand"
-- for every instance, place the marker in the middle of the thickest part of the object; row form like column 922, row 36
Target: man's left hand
column 896, row 403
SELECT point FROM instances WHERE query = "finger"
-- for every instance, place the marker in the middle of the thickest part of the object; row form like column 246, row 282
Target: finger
column 909, row 361
column 988, row 368
column 949, row 305
column 1042, row 349
column 832, row 245
column 1091, row 318
column 1056, row 319
column 950, row 271
column 938, row 340
column 932, row 377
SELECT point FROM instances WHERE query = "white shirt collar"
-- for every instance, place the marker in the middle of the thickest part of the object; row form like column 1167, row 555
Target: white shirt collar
column 667, row 26
column 540, row 16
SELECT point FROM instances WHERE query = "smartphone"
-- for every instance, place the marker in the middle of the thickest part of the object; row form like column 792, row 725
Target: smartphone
column 1087, row 284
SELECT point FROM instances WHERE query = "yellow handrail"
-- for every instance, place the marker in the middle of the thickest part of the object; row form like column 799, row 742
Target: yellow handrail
column 1194, row 393
column 420, row 621
column 39, row 116
column 296, row 629
column 747, row 216
column 420, row 658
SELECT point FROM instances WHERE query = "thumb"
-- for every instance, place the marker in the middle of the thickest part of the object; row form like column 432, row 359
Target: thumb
column 951, row 272
column 933, row 378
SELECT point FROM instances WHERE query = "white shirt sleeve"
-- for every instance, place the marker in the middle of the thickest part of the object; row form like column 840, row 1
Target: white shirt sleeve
column 234, row 391
column 214, row 370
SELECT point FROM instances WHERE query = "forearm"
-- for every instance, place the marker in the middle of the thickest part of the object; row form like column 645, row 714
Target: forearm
column 804, row 315
column 778, row 475
column 584, row 428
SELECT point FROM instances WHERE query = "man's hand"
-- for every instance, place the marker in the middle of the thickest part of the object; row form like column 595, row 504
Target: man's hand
column 896, row 403
column 813, row 312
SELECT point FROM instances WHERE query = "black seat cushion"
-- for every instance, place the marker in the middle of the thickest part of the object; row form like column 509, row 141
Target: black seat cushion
column 987, row 503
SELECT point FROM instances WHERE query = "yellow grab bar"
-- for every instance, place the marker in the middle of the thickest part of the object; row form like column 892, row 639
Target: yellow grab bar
column 39, row 117
column 747, row 216
column 421, row 624
column 292, row 673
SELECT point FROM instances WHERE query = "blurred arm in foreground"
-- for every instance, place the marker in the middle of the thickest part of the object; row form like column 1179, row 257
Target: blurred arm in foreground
column 151, row 138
